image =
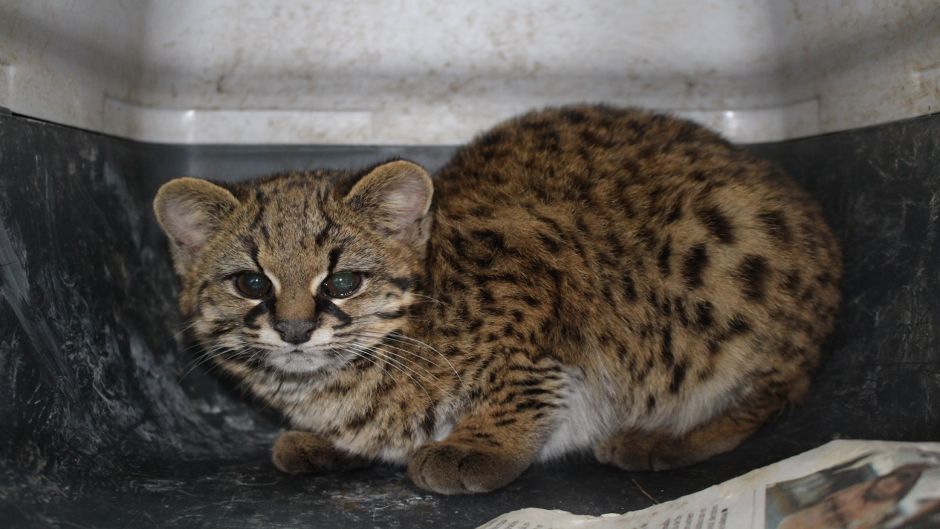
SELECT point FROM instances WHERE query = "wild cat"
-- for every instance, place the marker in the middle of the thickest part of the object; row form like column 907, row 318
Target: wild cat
column 584, row 278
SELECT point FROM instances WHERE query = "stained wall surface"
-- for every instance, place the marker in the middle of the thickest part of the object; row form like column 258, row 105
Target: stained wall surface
column 423, row 72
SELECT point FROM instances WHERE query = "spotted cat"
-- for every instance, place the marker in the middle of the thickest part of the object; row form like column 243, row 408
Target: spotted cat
column 584, row 278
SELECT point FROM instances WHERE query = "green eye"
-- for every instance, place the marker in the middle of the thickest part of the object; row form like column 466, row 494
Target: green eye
column 342, row 284
column 252, row 285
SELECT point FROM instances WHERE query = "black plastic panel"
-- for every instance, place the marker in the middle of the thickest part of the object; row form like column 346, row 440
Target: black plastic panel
column 104, row 425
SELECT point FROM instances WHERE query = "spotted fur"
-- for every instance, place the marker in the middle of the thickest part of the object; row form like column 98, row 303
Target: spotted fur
column 585, row 278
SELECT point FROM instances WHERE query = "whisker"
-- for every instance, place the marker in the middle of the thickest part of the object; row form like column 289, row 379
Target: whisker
column 210, row 355
column 428, row 374
column 393, row 363
column 404, row 339
column 412, row 353
column 414, row 294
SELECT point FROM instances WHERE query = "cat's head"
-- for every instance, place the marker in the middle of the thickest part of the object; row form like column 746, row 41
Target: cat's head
column 298, row 272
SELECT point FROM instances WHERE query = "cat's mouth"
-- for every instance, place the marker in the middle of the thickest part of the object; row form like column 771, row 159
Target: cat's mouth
column 299, row 361
column 307, row 358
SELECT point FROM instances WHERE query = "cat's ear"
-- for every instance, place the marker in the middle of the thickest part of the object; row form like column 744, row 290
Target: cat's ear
column 190, row 210
column 396, row 197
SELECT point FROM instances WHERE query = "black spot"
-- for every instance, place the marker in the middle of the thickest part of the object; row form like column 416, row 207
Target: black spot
column 493, row 138
column 738, row 325
column 717, row 224
column 493, row 310
column 572, row 334
column 647, row 238
column 678, row 376
column 491, row 239
column 532, row 404
column 607, row 293
column 698, row 176
column 616, row 247
column 427, row 423
column 535, row 124
column 704, row 314
column 482, row 279
column 486, row 297
column 575, row 115
column 550, row 140
column 358, row 421
column 259, row 215
column 753, row 272
column 650, row 403
column 714, row 346
column 668, row 358
column 675, row 213
column 775, row 226
column 529, row 300
column 550, row 243
column 679, row 305
column 589, row 137
column 402, row 283
column 662, row 260
column 482, row 211
column 334, row 259
column 665, row 308
column 693, row 266
column 328, row 228
column 629, row 287
column 649, row 150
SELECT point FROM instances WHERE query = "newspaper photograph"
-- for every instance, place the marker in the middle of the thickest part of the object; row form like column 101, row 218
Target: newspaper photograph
column 841, row 485
column 880, row 490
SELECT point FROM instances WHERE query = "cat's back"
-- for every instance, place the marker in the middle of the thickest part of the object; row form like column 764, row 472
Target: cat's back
column 564, row 154
column 626, row 230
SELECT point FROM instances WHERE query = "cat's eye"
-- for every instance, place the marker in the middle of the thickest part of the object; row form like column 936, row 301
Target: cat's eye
column 253, row 285
column 342, row 284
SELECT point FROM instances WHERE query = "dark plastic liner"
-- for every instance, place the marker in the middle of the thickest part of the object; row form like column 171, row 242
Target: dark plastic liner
column 102, row 425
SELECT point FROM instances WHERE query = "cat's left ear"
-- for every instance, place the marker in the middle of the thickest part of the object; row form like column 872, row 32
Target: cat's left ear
column 395, row 197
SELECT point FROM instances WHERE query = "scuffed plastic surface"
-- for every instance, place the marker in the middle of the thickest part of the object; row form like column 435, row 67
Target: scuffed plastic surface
column 425, row 72
column 100, row 427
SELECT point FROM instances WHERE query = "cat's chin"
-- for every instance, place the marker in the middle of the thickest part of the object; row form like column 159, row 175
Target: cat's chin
column 299, row 363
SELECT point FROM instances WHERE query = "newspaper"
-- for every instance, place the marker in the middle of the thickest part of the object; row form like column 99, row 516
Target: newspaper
column 841, row 485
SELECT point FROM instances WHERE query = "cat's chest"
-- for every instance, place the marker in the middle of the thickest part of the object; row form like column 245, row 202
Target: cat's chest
column 389, row 428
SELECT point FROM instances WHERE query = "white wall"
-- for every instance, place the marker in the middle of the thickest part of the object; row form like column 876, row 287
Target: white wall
column 431, row 72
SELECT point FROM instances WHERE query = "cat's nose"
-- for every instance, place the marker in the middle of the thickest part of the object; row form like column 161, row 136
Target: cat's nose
column 294, row 331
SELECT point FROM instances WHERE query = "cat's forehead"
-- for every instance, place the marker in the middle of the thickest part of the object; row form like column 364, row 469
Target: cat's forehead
column 289, row 190
column 298, row 227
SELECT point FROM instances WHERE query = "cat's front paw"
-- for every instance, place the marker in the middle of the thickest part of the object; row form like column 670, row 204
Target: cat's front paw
column 451, row 468
column 297, row 452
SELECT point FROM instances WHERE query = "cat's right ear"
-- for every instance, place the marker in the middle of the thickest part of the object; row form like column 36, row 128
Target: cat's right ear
column 190, row 211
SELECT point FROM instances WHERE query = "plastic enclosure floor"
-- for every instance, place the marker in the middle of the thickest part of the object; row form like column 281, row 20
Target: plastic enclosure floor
column 103, row 427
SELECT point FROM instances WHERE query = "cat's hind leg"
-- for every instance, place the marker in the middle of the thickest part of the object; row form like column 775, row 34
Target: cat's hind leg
column 635, row 449
column 297, row 452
